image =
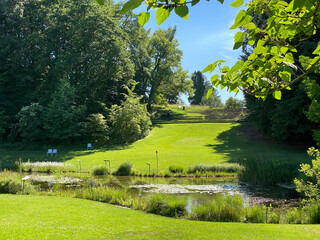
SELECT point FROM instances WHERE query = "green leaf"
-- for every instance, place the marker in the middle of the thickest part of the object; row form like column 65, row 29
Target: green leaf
column 251, row 26
column 238, row 40
column 277, row 95
column 194, row 2
column 219, row 62
column 236, row 67
column 285, row 76
column 143, row 18
column 317, row 50
column 221, row 1
column 284, row 50
column 162, row 14
column 313, row 61
column 209, row 68
column 289, row 57
column 100, row 2
column 236, row 3
column 209, row 93
column 241, row 19
column 182, row 11
column 214, row 78
column 128, row 6
column 238, row 19
column 251, row 42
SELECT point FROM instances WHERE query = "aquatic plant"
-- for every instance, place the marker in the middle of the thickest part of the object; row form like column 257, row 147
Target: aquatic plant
column 100, row 171
column 258, row 170
column 166, row 205
column 124, row 169
column 223, row 167
column 176, row 169
column 45, row 166
column 255, row 214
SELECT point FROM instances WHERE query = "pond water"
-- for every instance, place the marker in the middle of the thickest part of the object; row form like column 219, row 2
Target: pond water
column 198, row 189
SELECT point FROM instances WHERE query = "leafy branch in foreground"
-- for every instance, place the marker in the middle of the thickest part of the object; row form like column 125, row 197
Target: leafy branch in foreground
column 274, row 63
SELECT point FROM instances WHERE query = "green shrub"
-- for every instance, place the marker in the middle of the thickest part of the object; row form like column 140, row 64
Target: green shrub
column 313, row 212
column 255, row 214
column 31, row 122
column 131, row 120
column 124, row 169
column 274, row 218
column 309, row 182
column 10, row 185
column 176, row 169
column 294, row 216
column 166, row 205
column 100, row 171
column 96, row 129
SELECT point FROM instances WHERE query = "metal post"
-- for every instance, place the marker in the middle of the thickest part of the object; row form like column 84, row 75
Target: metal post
column 20, row 164
column 79, row 163
column 149, row 168
column 109, row 165
column 157, row 162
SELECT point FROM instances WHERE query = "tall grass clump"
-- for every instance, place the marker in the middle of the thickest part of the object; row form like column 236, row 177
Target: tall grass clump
column 294, row 216
column 176, row 169
column 104, row 194
column 124, row 169
column 258, row 170
column 313, row 212
column 223, row 167
column 224, row 208
column 47, row 167
column 11, row 183
column 255, row 214
column 166, row 205
column 100, row 171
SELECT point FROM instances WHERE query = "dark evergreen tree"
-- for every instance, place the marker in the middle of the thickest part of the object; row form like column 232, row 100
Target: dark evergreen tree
column 199, row 88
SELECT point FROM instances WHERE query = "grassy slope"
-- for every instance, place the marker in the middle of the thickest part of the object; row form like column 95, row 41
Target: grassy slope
column 180, row 144
column 39, row 217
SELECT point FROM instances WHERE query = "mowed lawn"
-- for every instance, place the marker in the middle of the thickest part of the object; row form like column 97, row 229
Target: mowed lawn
column 40, row 217
column 177, row 144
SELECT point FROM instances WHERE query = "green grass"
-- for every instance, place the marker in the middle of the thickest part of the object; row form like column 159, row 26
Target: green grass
column 177, row 144
column 39, row 217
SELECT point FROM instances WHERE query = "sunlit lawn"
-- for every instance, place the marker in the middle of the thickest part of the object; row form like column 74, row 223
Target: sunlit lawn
column 39, row 217
column 177, row 144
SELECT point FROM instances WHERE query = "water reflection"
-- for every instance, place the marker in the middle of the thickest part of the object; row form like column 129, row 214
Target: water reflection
column 197, row 189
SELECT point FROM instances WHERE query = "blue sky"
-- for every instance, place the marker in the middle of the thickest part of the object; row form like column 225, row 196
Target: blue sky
column 205, row 37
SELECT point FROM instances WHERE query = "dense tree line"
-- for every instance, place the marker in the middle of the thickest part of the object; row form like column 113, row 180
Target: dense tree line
column 63, row 66
column 291, row 118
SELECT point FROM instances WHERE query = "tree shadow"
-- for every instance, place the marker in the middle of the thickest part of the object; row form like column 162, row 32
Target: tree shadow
column 243, row 140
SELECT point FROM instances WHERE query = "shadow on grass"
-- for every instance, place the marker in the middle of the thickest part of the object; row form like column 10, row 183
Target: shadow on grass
column 8, row 156
column 243, row 140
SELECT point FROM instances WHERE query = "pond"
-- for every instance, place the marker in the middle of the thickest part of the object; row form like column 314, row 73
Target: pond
column 197, row 189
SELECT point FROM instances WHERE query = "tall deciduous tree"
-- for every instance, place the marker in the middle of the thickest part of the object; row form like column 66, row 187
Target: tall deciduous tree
column 166, row 64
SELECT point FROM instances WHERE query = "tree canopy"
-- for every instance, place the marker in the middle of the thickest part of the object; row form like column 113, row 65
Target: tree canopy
column 63, row 66
column 273, row 65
